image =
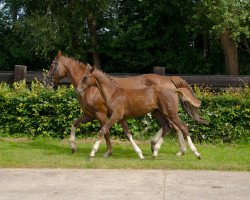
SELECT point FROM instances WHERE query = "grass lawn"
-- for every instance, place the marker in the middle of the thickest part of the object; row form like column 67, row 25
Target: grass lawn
column 52, row 153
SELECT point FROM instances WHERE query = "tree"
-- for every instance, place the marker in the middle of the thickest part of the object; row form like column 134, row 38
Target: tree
column 70, row 25
column 229, row 21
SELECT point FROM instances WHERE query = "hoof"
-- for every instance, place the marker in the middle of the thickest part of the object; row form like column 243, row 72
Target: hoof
column 90, row 158
column 142, row 158
column 198, row 155
column 107, row 154
column 73, row 149
column 155, row 154
column 179, row 154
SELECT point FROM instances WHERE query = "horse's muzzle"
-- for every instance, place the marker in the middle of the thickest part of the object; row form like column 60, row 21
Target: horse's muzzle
column 79, row 90
column 47, row 82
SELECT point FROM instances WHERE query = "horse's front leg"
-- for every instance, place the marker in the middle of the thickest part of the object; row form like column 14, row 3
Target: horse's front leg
column 125, row 127
column 82, row 119
column 104, row 130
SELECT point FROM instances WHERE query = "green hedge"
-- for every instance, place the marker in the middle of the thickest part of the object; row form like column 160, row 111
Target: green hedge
column 37, row 111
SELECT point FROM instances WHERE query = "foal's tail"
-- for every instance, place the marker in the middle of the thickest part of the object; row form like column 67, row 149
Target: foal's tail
column 189, row 102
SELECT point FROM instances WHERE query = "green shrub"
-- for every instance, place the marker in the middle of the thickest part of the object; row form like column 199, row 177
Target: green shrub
column 229, row 116
column 37, row 111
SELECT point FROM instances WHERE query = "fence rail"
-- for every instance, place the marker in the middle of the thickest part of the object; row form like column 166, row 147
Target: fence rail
column 216, row 82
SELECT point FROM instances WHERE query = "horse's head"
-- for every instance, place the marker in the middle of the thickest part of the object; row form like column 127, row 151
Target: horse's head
column 87, row 80
column 56, row 71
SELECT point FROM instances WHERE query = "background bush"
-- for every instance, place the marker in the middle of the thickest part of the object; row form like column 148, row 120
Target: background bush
column 37, row 111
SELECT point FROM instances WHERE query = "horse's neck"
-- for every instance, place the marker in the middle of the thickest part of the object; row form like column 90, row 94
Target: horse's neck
column 74, row 71
column 107, row 87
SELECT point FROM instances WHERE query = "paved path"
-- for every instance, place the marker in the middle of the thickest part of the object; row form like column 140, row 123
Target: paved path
column 50, row 184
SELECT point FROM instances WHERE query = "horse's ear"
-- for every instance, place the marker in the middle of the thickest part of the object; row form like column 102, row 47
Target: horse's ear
column 59, row 54
column 91, row 69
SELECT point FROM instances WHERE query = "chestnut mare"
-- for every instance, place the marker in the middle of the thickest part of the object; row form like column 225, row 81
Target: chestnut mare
column 125, row 103
column 94, row 106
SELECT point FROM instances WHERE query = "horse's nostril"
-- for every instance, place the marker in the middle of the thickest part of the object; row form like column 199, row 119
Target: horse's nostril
column 78, row 90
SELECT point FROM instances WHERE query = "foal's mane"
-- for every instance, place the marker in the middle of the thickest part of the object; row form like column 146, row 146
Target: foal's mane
column 110, row 77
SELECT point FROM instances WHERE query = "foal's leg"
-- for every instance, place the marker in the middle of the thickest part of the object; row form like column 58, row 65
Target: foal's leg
column 104, row 130
column 183, row 128
column 102, row 117
column 82, row 119
column 157, row 141
column 193, row 148
column 181, row 140
column 161, row 134
column 125, row 127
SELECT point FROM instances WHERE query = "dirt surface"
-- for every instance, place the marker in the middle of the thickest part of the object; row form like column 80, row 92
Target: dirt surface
column 102, row 184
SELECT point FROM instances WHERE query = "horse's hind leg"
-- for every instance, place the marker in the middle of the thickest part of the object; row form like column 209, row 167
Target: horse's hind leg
column 82, row 119
column 183, row 128
column 158, row 135
column 157, row 140
column 125, row 127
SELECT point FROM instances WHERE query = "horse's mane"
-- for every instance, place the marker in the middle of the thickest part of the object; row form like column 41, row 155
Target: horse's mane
column 74, row 60
column 80, row 63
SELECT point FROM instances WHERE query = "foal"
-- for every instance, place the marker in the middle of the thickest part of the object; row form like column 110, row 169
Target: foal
column 125, row 103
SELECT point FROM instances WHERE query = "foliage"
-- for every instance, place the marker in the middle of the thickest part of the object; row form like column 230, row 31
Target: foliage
column 154, row 35
column 229, row 116
column 36, row 111
column 133, row 36
column 214, row 19
column 232, row 15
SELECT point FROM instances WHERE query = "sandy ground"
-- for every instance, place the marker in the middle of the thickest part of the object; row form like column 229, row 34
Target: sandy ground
column 102, row 184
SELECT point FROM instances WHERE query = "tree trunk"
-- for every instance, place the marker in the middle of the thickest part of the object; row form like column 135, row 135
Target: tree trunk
column 230, row 53
column 14, row 14
column 93, row 36
column 73, row 26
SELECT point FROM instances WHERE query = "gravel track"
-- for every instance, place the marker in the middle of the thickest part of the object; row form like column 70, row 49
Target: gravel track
column 53, row 184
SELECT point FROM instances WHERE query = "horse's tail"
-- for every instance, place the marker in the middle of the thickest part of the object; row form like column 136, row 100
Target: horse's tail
column 189, row 102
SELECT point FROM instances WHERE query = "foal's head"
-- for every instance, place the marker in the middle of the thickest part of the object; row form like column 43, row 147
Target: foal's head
column 87, row 80
column 56, row 71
